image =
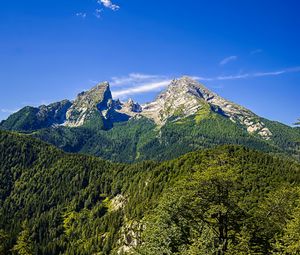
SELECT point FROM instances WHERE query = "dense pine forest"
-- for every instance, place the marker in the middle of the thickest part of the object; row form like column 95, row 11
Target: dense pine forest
column 224, row 200
column 140, row 139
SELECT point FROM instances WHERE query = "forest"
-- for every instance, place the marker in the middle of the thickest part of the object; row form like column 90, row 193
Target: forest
column 224, row 200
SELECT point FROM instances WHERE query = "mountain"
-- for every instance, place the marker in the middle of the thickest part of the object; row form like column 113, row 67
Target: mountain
column 185, row 117
column 33, row 118
column 185, row 97
column 225, row 200
column 93, row 106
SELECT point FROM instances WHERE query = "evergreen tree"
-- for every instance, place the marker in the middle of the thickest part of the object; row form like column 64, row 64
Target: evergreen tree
column 24, row 245
column 3, row 242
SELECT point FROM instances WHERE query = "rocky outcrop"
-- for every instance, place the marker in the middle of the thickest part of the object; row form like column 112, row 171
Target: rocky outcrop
column 118, row 202
column 34, row 118
column 54, row 113
column 130, row 108
column 130, row 237
column 182, row 98
column 98, row 99
column 185, row 97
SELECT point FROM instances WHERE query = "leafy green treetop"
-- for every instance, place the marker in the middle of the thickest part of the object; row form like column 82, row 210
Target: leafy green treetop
column 24, row 244
column 3, row 240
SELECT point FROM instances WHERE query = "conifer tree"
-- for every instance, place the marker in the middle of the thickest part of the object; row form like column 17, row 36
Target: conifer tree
column 24, row 244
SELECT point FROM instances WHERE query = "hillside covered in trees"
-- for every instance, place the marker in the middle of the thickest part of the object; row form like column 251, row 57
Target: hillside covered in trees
column 224, row 200
column 185, row 117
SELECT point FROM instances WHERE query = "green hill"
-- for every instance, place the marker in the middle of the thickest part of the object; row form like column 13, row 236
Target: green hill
column 225, row 200
column 184, row 118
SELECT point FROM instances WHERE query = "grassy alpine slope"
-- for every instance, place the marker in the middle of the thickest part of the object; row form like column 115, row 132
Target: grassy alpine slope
column 225, row 200
column 140, row 139
column 185, row 117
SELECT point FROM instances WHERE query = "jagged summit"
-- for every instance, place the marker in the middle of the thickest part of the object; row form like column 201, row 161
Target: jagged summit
column 186, row 96
column 180, row 98
column 183, row 97
column 87, row 103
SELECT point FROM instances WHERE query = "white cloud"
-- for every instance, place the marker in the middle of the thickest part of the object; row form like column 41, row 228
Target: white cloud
column 279, row 72
column 97, row 13
column 270, row 73
column 81, row 14
column 137, row 83
column 250, row 75
column 232, row 77
column 8, row 111
column 227, row 60
column 153, row 86
column 134, row 78
column 109, row 4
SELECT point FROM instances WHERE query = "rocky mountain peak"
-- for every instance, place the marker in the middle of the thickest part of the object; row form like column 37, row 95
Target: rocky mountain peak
column 186, row 96
column 133, row 106
column 183, row 97
column 129, row 108
column 98, row 98
column 100, row 92
column 189, row 85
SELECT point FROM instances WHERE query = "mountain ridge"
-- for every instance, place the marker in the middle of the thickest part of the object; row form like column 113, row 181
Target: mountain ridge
column 185, row 117
column 183, row 97
column 78, row 204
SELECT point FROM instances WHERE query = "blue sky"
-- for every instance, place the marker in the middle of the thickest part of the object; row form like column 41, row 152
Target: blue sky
column 247, row 51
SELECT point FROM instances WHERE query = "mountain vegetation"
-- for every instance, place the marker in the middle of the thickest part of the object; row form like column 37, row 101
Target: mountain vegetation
column 190, row 173
column 139, row 139
column 224, row 200
column 184, row 118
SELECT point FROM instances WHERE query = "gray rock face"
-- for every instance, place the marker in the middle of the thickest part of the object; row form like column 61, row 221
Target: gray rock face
column 34, row 118
column 182, row 98
column 54, row 113
column 97, row 99
column 187, row 96
column 129, row 108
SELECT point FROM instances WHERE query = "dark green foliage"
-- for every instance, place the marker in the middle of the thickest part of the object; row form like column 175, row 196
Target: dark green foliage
column 121, row 140
column 140, row 139
column 285, row 137
column 226, row 200
column 233, row 201
column 32, row 118
column 120, row 143
column 24, row 245
column 23, row 120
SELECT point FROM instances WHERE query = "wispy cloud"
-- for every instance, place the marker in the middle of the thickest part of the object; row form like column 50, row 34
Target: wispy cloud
column 279, row 72
column 81, row 14
column 227, row 60
column 134, row 78
column 109, row 4
column 8, row 110
column 98, row 13
column 251, row 75
column 137, row 83
column 153, row 86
